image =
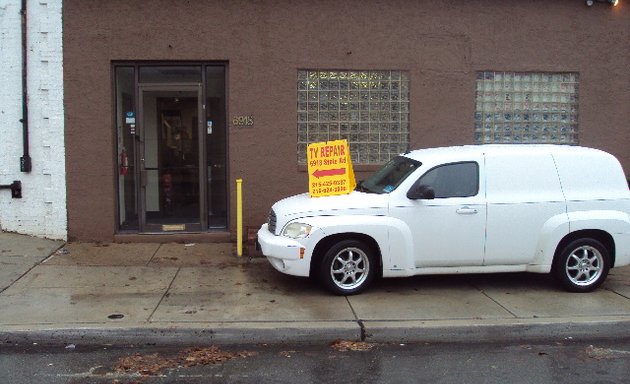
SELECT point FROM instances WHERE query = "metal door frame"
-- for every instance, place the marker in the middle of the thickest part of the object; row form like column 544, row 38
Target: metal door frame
column 141, row 172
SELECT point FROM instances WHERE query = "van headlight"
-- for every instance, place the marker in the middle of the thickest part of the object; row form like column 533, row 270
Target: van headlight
column 296, row 230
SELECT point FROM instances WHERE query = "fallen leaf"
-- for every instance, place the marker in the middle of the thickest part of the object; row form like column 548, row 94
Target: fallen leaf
column 154, row 364
column 345, row 345
column 605, row 353
column 286, row 353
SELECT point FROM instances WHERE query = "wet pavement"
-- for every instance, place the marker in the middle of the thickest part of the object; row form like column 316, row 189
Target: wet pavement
column 196, row 293
column 555, row 361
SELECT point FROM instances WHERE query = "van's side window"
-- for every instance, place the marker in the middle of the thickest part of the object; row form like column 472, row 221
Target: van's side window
column 452, row 180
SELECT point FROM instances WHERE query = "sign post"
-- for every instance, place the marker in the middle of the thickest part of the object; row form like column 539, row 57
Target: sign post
column 329, row 169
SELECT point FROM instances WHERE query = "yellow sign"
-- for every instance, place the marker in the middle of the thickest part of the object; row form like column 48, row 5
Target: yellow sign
column 329, row 169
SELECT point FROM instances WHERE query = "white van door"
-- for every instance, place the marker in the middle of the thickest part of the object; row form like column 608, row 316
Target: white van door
column 448, row 230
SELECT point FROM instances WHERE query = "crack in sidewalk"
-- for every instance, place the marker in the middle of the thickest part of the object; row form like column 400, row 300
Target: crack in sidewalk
column 32, row 267
column 153, row 256
column 364, row 334
column 483, row 292
column 166, row 292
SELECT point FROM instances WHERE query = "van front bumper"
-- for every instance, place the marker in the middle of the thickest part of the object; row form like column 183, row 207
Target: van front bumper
column 285, row 254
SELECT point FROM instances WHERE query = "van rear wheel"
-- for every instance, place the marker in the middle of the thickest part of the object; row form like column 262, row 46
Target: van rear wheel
column 583, row 265
column 348, row 267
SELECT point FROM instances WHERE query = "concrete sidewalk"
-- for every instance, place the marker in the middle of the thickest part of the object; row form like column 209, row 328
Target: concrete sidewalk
column 203, row 293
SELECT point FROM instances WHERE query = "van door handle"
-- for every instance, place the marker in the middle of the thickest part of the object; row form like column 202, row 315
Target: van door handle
column 466, row 211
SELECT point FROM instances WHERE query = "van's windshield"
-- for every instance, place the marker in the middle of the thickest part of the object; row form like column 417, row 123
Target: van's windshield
column 389, row 176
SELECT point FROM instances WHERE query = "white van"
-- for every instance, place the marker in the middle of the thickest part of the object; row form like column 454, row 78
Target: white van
column 469, row 209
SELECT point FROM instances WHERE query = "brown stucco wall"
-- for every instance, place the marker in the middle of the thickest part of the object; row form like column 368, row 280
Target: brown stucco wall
column 441, row 43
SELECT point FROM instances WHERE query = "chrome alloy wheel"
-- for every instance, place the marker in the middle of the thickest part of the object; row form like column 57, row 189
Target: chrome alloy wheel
column 350, row 268
column 584, row 265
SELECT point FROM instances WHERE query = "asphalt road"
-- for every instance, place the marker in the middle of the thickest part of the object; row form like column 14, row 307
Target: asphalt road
column 556, row 361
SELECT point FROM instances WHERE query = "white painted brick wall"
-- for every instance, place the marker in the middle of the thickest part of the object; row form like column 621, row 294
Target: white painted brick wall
column 42, row 209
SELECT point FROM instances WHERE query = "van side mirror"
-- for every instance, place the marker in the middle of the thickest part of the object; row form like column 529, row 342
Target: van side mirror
column 421, row 192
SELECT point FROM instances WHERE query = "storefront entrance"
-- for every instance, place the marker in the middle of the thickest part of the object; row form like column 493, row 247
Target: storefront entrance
column 169, row 158
column 172, row 151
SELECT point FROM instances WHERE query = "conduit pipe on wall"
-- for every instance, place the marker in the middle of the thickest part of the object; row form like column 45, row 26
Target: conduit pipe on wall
column 25, row 160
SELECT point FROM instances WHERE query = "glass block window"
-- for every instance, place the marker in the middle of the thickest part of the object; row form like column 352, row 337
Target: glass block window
column 368, row 108
column 514, row 107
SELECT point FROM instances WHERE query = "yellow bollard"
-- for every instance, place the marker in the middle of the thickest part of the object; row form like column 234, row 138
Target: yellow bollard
column 239, row 217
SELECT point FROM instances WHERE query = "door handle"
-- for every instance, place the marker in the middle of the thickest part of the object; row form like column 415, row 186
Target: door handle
column 143, row 174
column 466, row 211
column 143, row 178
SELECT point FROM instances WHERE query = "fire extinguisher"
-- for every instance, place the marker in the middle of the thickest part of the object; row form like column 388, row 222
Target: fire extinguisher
column 124, row 163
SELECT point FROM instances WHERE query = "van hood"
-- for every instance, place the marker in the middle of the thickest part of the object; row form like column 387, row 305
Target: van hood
column 355, row 203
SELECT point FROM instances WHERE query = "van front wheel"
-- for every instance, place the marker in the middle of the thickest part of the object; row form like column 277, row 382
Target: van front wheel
column 583, row 265
column 348, row 267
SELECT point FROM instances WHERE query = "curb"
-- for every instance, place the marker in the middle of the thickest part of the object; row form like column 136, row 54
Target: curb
column 502, row 331
column 285, row 333
column 272, row 333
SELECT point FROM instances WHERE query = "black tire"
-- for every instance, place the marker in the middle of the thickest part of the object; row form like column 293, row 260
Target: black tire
column 582, row 266
column 348, row 267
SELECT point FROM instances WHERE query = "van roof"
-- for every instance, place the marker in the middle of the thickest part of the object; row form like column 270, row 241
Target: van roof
column 479, row 149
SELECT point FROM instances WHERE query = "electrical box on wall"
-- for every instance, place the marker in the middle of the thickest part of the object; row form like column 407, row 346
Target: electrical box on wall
column 25, row 164
column 15, row 187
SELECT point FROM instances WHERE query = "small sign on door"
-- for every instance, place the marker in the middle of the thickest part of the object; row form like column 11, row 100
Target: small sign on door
column 130, row 118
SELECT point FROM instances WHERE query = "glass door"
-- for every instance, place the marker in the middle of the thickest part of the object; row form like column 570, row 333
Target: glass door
column 170, row 158
column 171, row 147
